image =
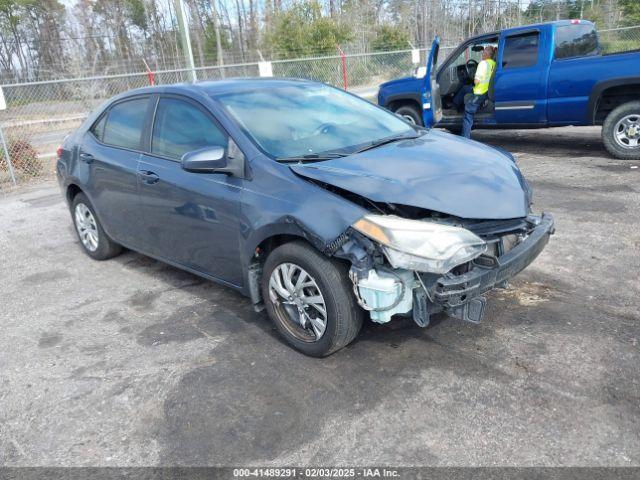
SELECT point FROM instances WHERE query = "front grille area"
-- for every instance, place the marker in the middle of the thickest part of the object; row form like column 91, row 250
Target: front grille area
column 487, row 228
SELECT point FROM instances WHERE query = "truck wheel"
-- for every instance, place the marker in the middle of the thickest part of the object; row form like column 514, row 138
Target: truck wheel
column 410, row 114
column 621, row 131
column 309, row 298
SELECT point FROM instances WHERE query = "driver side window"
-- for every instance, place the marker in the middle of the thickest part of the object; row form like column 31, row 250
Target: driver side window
column 473, row 51
column 180, row 127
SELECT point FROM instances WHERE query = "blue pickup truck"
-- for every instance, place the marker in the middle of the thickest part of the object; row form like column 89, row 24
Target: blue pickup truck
column 548, row 75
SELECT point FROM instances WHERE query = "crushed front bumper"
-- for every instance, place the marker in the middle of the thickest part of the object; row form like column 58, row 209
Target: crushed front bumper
column 460, row 295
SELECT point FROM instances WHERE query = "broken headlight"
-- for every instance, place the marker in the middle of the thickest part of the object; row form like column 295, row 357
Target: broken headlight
column 421, row 245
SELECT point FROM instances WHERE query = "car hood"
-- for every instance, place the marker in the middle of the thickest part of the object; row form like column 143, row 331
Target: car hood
column 437, row 171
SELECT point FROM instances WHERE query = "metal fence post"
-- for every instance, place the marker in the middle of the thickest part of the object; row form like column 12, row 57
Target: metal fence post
column 7, row 157
column 186, row 39
column 343, row 58
column 3, row 106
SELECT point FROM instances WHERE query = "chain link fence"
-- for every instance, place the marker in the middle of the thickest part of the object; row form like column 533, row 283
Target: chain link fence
column 40, row 114
column 620, row 39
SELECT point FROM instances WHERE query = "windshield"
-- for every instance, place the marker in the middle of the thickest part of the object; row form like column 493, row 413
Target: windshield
column 311, row 119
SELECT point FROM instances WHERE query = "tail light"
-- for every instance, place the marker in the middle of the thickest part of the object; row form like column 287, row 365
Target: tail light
column 59, row 151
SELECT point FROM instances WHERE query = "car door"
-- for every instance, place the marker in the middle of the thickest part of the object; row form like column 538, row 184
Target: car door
column 108, row 160
column 188, row 218
column 520, row 84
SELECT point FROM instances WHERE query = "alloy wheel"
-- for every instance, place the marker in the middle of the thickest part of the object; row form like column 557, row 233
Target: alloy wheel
column 87, row 227
column 299, row 302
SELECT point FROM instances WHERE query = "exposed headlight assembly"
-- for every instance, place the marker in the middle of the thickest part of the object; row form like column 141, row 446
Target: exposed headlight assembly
column 421, row 245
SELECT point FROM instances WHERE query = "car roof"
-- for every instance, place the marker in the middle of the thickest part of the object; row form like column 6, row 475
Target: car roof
column 214, row 88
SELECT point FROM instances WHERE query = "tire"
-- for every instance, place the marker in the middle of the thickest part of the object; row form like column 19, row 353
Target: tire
column 410, row 114
column 343, row 315
column 103, row 247
column 610, row 131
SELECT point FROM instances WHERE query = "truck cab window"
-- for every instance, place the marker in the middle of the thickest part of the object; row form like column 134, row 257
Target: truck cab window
column 521, row 50
column 473, row 51
column 576, row 41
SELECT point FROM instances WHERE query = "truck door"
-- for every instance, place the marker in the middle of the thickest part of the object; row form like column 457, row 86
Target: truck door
column 430, row 92
column 520, row 86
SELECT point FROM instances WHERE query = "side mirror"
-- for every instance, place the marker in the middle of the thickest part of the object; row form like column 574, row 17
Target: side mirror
column 420, row 72
column 216, row 160
column 209, row 159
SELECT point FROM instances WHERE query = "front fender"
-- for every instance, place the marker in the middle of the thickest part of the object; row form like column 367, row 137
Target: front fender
column 279, row 202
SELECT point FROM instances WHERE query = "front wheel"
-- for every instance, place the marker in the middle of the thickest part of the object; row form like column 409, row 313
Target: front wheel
column 411, row 114
column 309, row 298
column 621, row 131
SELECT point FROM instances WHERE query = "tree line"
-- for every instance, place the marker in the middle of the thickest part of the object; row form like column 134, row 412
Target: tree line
column 47, row 39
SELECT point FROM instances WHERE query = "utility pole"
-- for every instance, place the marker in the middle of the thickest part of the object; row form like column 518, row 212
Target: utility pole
column 186, row 39
column 216, row 25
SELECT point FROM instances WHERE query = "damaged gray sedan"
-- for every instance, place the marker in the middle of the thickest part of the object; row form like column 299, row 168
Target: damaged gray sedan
column 319, row 206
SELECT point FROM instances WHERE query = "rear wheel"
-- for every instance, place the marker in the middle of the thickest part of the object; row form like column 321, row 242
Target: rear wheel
column 93, row 238
column 308, row 297
column 621, row 131
column 411, row 114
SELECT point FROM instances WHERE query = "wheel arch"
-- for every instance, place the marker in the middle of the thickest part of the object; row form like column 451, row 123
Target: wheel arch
column 72, row 191
column 609, row 94
column 396, row 101
column 262, row 244
column 269, row 244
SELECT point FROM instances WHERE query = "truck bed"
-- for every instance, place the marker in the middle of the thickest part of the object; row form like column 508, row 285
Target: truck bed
column 571, row 85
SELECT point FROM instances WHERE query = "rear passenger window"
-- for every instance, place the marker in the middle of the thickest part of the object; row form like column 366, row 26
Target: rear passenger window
column 521, row 50
column 576, row 41
column 98, row 128
column 181, row 127
column 125, row 123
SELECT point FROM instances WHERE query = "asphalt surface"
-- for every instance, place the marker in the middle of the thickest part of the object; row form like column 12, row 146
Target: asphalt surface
column 133, row 362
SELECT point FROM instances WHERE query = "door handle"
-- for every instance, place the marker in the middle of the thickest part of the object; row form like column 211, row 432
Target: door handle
column 86, row 157
column 148, row 177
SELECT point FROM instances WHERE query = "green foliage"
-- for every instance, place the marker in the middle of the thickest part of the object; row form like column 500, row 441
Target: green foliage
column 390, row 38
column 210, row 46
column 14, row 11
column 135, row 12
column 301, row 30
column 630, row 12
column 593, row 10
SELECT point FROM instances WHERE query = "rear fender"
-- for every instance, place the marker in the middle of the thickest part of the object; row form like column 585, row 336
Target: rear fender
column 598, row 90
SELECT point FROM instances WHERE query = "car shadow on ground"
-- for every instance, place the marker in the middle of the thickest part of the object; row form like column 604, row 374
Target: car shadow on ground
column 254, row 397
column 584, row 142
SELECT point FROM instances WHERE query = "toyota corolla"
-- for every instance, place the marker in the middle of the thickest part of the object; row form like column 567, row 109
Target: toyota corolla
column 319, row 206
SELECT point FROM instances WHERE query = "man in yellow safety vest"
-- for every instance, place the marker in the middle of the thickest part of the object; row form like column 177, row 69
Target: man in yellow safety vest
column 481, row 82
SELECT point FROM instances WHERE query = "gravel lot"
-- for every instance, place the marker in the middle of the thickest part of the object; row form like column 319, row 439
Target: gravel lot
column 133, row 362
